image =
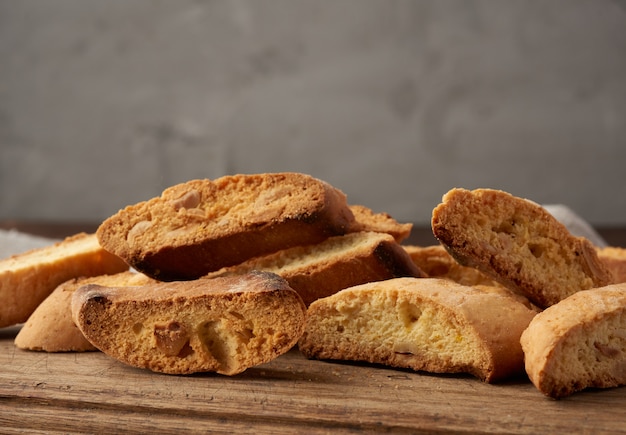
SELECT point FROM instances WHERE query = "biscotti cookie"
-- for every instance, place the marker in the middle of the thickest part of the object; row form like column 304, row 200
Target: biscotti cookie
column 614, row 258
column 50, row 328
column 426, row 324
column 27, row 279
column 222, row 325
column 366, row 220
column 320, row 270
column 200, row 226
column 518, row 243
column 578, row 343
column 436, row 262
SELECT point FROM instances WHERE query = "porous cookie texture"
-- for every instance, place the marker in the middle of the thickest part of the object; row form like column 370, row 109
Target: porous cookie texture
column 518, row 243
column 425, row 324
column 222, row 325
column 320, row 270
column 614, row 258
column 578, row 343
column 27, row 279
column 365, row 219
column 200, row 226
column 436, row 262
column 50, row 328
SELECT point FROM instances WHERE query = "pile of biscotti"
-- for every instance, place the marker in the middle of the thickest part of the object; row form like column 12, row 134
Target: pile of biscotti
column 222, row 275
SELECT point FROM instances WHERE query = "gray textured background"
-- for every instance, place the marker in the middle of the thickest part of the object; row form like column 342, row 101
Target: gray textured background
column 105, row 103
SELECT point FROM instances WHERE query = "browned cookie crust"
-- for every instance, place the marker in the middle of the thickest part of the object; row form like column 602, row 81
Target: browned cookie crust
column 222, row 325
column 427, row 324
column 27, row 279
column 518, row 243
column 614, row 258
column 578, row 343
column 320, row 270
column 200, row 226
column 436, row 262
column 50, row 328
column 366, row 219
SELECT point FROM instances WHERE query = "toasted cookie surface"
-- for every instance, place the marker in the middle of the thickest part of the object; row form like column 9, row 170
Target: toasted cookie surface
column 50, row 328
column 320, row 270
column 366, row 219
column 222, row 325
column 436, row 262
column 518, row 243
column 578, row 343
column 614, row 258
column 425, row 324
column 27, row 279
column 200, row 226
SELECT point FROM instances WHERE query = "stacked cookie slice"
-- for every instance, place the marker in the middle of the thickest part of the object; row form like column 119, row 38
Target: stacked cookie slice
column 501, row 284
column 221, row 275
column 579, row 338
column 222, row 271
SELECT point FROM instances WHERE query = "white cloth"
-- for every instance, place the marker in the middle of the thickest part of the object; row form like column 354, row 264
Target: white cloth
column 575, row 224
column 15, row 242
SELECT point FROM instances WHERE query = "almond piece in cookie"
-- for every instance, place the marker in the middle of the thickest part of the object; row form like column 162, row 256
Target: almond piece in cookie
column 222, row 325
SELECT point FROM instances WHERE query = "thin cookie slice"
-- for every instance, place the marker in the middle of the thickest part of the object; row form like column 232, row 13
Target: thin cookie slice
column 425, row 324
column 200, row 226
column 518, row 243
column 436, row 262
column 614, row 258
column 366, row 219
column 578, row 343
column 50, row 328
column 222, row 325
column 27, row 279
column 320, row 270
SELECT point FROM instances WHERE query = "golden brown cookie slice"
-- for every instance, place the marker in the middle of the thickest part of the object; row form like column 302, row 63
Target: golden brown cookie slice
column 427, row 324
column 222, row 325
column 436, row 262
column 518, row 243
column 614, row 258
column 578, row 343
column 200, row 226
column 27, row 279
column 50, row 328
column 365, row 219
column 317, row 271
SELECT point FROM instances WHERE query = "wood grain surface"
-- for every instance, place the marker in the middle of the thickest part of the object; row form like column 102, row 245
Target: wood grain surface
column 92, row 393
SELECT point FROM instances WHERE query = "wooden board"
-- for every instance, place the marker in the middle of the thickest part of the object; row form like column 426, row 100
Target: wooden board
column 92, row 393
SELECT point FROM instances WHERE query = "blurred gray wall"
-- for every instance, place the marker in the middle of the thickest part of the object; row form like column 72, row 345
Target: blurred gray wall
column 106, row 103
